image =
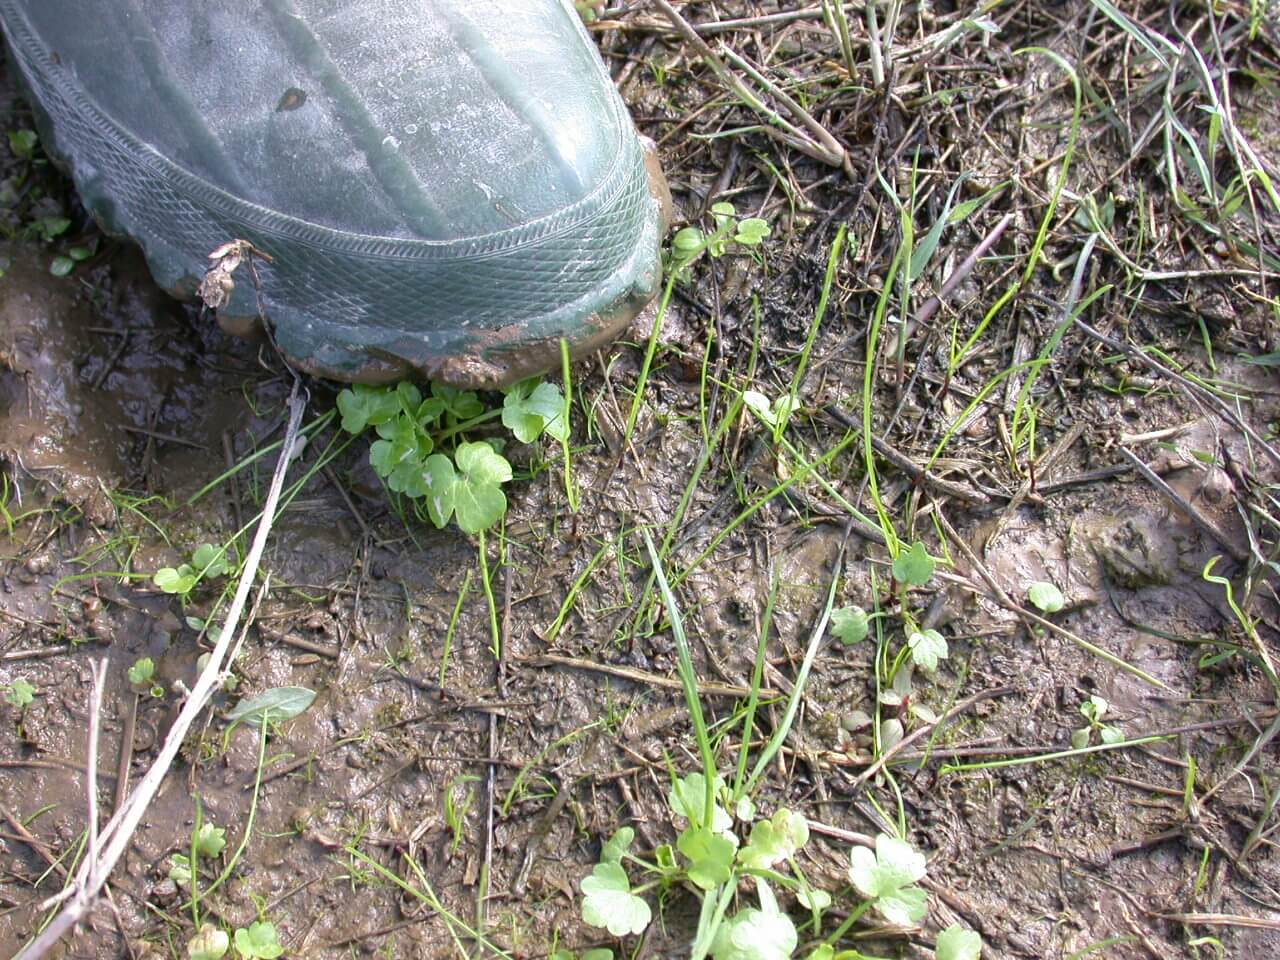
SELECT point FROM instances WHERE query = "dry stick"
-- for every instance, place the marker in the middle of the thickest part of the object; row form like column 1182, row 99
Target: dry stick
column 1194, row 515
column 1224, row 411
column 927, row 309
column 1027, row 617
column 99, row 673
column 817, row 143
column 641, row 676
column 119, row 830
column 905, row 742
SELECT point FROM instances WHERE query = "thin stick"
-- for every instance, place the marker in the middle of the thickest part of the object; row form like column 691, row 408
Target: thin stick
column 1207, row 395
column 1188, row 509
column 119, row 830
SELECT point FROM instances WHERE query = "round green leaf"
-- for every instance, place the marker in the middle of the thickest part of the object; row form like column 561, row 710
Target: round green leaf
column 1046, row 597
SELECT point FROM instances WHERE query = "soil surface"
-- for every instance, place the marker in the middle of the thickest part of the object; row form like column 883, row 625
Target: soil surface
column 430, row 775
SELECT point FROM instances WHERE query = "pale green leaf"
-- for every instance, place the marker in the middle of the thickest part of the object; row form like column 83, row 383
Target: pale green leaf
column 957, row 943
column 850, row 625
column 609, row 903
column 273, row 706
column 1046, row 597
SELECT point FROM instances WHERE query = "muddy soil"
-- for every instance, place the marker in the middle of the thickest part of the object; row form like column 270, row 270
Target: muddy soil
column 486, row 787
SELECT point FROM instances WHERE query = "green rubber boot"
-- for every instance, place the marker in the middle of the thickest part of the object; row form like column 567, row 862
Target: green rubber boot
column 442, row 188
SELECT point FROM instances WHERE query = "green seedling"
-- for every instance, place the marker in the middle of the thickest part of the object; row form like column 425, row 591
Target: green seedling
column 608, row 901
column 888, row 878
column 850, row 625
column 772, row 414
column 209, row 840
column 765, row 933
column 258, row 942
column 927, row 648
column 691, row 242
column 209, row 943
column 23, row 143
column 1046, row 597
column 207, row 561
column 422, row 451
column 180, row 870
column 1093, row 710
column 455, row 811
column 142, row 678
column 19, row 694
column 914, row 566
column 271, row 706
column 957, row 943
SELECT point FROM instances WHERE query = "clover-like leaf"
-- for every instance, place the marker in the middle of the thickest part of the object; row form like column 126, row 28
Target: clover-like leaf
column 478, row 501
column 617, row 845
column 441, row 482
column 1046, row 597
column 888, row 877
column 463, row 404
column 209, row 943
column 177, row 580
column 751, row 934
column 209, row 840
column 776, row 839
column 687, row 241
column 364, row 406
column 210, row 560
column 398, row 457
column 531, row 408
column 927, row 648
column 710, row 856
column 258, row 941
column 775, row 413
column 180, row 869
column 687, row 798
column 1095, row 708
column 608, row 901
column 143, row 669
column 20, row 694
column 957, row 943
column 751, row 231
column 811, row 898
column 913, row 566
column 850, row 625
column 1110, row 734
column 23, row 143
column 1080, row 737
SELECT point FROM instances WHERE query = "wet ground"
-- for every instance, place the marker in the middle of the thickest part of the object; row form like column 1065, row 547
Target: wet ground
column 493, row 782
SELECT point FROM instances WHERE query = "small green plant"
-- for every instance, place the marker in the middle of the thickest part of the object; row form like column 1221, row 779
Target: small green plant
column 691, row 242
column 19, row 694
column 209, row 943
column 423, row 451
column 455, row 811
column 142, row 678
column 1046, row 597
column 208, row 561
column 887, row 878
column 1093, row 710
column 850, row 625
column 209, row 840
column 258, row 941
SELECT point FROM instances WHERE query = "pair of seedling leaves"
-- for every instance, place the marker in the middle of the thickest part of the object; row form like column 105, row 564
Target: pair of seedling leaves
column 913, row 567
column 689, row 243
column 708, row 855
column 412, row 429
column 258, row 941
column 711, row 856
column 208, row 560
